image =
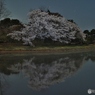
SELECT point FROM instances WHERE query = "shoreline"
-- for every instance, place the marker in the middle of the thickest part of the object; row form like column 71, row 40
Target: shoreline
column 48, row 50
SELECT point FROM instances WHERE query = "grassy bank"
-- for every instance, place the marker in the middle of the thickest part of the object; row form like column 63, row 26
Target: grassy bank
column 8, row 48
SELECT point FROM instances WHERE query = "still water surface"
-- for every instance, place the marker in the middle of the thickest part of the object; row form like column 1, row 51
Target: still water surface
column 60, row 74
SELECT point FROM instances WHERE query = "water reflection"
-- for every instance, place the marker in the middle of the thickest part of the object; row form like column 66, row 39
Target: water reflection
column 3, row 83
column 44, row 71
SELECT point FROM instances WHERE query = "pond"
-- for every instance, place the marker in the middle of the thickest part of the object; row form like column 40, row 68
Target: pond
column 54, row 74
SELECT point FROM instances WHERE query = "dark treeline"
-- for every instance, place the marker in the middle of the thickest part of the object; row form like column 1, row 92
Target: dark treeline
column 7, row 22
column 8, row 25
column 90, row 36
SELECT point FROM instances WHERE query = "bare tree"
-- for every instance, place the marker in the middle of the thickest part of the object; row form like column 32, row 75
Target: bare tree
column 3, row 10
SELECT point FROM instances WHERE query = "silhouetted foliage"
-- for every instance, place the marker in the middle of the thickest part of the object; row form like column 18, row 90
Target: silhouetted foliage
column 90, row 36
column 8, row 22
column 93, row 32
column 52, row 13
column 15, row 22
column 5, row 23
column 8, row 25
column 86, row 32
column 71, row 20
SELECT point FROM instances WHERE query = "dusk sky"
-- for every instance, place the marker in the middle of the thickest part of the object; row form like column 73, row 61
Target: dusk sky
column 81, row 11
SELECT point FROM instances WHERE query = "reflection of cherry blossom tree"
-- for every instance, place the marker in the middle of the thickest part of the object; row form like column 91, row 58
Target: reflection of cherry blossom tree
column 43, row 75
column 3, row 83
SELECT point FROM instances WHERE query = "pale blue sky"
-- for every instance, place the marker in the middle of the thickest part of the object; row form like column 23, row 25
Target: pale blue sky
column 81, row 11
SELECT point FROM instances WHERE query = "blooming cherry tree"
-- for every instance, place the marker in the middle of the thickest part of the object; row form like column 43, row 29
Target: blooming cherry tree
column 44, row 25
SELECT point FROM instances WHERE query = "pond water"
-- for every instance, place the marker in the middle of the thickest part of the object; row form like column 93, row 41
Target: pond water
column 60, row 74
